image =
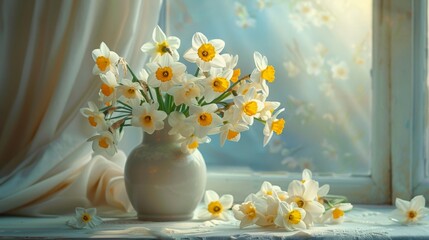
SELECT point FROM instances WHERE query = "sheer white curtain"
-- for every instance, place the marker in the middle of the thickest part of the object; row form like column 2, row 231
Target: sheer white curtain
column 46, row 165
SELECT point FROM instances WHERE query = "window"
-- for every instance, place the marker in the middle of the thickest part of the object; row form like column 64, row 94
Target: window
column 352, row 118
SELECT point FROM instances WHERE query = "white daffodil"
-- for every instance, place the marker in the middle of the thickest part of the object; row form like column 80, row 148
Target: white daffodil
column 216, row 84
column 85, row 218
column 409, row 212
column 105, row 60
column 336, row 213
column 307, row 175
column 148, row 117
column 267, row 189
column 232, row 132
column 187, row 91
column 95, row 117
column 179, row 125
column 263, row 72
column 305, row 196
column 161, row 45
column 268, row 109
column 191, row 143
column 290, row 217
column 205, row 53
column 230, row 61
column 105, row 143
column 108, row 87
column 165, row 73
column 215, row 207
column 130, row 90
column 204, row 119
column 248, row 106
column 340, row 71
column 273, row 125
column 271, row 212
column 250, row 210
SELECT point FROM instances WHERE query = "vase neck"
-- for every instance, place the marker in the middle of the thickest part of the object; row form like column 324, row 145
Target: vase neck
column 159, row 136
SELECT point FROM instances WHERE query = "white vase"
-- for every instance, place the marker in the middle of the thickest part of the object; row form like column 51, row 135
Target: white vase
column 162, row 182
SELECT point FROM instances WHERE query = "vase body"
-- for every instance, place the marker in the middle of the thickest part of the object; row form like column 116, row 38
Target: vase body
column 162, row 182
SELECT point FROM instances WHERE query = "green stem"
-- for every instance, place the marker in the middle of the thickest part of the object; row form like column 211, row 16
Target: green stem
column 197, row 72
column 260, row 120
column 125, row 105
column 121, row 116
column 135, row 79
column 160, row 100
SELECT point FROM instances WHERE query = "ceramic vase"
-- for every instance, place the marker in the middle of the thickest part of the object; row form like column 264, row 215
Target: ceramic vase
column 162, row 182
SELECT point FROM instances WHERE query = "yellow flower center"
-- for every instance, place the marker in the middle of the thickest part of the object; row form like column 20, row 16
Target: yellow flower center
column 269, row 192
column 294, row 217
column 205, row 119
column 250, row 211
column 103, row 143
column 231, row 134
column 235, row 75
column 102, row 63
column 106, row 89
column 130, row 92
column 164, row 74
column 215, row 207
column 146, row 120
column 162, row 48
column 206, row 52
column 269, row 73
column 337, row 213
column 278, row 126
column 411, row 214
column 86, row 217
column 193, row 145
column 220, row 84
column 92, row 121
column 299, row 202
column 250, row 108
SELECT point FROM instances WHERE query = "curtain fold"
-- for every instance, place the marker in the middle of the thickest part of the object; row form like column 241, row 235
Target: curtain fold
column 46, row 165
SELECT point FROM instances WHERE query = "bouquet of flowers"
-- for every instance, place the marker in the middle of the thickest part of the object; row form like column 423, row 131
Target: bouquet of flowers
column 214, row 100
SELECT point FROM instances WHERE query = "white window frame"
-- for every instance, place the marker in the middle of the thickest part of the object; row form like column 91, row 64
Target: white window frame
column 408, row 73
column 398, row 116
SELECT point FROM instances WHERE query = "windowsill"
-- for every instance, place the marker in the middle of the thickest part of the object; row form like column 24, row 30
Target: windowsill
column 366, row 221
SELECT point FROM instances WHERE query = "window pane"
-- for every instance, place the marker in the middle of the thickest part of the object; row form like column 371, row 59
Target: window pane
column 322, row 54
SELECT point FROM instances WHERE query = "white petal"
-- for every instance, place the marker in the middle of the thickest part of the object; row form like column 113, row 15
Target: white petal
column 158, row 35
column 345, row 206
column 307, row 175
column 218, row 61
column 104, row 49
column 301, row 225
column 311, row 188
column 198, row 39
column 174, row 42
column 218, row 44
column 227, row 201
column 211, row 196
column 402, row 204
column 296, row 188
column 314, row 208
column 91, row 211
column 323, row 190
column 79, row 211
column 204, row 214
column 96, row 53
column 258, row 61
column 148, row 47
column 417, row 202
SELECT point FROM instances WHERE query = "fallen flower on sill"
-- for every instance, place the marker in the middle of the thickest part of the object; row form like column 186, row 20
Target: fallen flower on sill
column 336, row 214
column 84, row 218
column 409, row 212
column 215, row 207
